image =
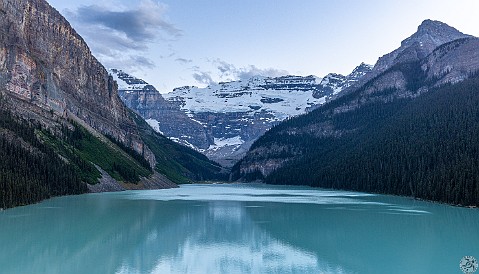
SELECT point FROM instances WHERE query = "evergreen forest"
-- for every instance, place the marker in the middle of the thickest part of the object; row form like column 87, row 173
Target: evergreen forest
column 426, row 147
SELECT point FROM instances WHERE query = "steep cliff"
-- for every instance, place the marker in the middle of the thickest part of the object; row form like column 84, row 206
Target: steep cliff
column 45, row 66
column 164, row 116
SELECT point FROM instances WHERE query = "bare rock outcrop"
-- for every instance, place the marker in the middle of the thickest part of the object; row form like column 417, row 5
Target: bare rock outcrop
column 46, row 67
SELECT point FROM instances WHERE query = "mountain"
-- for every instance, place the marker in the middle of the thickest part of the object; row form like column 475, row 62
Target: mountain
column 51, row 69
column 407, row 128
column 224, row 119
column 430, row 34
column 63, row 127
column 145, row 100
column 334, row 83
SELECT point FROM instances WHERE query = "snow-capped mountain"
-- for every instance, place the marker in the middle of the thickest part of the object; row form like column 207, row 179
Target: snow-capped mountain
column 224, row 119
column 148, row 102
column 127, row 83
column 280, row 97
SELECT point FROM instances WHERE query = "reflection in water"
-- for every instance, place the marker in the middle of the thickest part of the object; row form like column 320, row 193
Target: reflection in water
column 226, row 241
column 236, row 229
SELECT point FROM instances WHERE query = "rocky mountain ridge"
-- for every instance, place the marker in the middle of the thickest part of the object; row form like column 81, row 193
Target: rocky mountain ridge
column 429, row 35
column 334, row 83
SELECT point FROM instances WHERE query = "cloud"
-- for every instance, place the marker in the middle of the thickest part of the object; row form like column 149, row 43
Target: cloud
column 250, row 71
column 123, row 36
column 131, row 63
column 225, row 68
column 143, row 61
column 143, row 24
column 203, row 78
column 228, row 71
column 224, row 71
column 183, row 61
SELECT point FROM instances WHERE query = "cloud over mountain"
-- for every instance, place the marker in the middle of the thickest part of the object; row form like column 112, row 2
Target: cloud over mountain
column 122, row 36
column 203, row 77
column 229, row 71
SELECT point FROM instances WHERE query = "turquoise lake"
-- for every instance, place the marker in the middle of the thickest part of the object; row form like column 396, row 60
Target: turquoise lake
column 236, row 229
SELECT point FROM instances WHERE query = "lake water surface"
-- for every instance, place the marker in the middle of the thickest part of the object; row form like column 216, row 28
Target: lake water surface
column 236, row 229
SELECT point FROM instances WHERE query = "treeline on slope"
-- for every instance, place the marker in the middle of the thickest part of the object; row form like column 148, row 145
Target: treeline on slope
column 84, row 150
column 31, row 171
column 426, row 148
column 179, row 163
column 412, row 72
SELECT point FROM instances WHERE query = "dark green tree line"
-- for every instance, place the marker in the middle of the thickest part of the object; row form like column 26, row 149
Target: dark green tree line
column 29, row 170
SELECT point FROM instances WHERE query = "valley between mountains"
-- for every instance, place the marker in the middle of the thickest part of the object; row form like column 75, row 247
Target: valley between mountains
column 407, row 125
column 223, row 120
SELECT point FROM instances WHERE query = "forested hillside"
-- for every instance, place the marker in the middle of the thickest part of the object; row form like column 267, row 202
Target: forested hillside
column 29, row 170
column 427, row 147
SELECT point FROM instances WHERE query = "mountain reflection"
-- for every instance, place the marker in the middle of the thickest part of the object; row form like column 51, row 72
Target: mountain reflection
column 220, row 237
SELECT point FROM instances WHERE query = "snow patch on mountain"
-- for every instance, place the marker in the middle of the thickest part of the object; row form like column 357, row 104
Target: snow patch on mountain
column 223, row 142
column 127, row 82
column 154, row 124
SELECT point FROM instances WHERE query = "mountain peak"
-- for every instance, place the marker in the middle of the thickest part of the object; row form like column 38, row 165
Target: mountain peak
column 429, row 35
column 430, row 24
column 433, row 33
column 363, row 67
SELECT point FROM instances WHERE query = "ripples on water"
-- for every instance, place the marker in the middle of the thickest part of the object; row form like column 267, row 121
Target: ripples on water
column 236, row 229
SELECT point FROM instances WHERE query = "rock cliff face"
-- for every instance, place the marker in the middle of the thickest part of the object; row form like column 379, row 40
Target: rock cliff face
column 453, row 62
column 46, row 67
column 430, row 34
column 441, row 52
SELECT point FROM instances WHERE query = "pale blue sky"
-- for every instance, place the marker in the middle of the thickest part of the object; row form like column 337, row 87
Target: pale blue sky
column 172, row 43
